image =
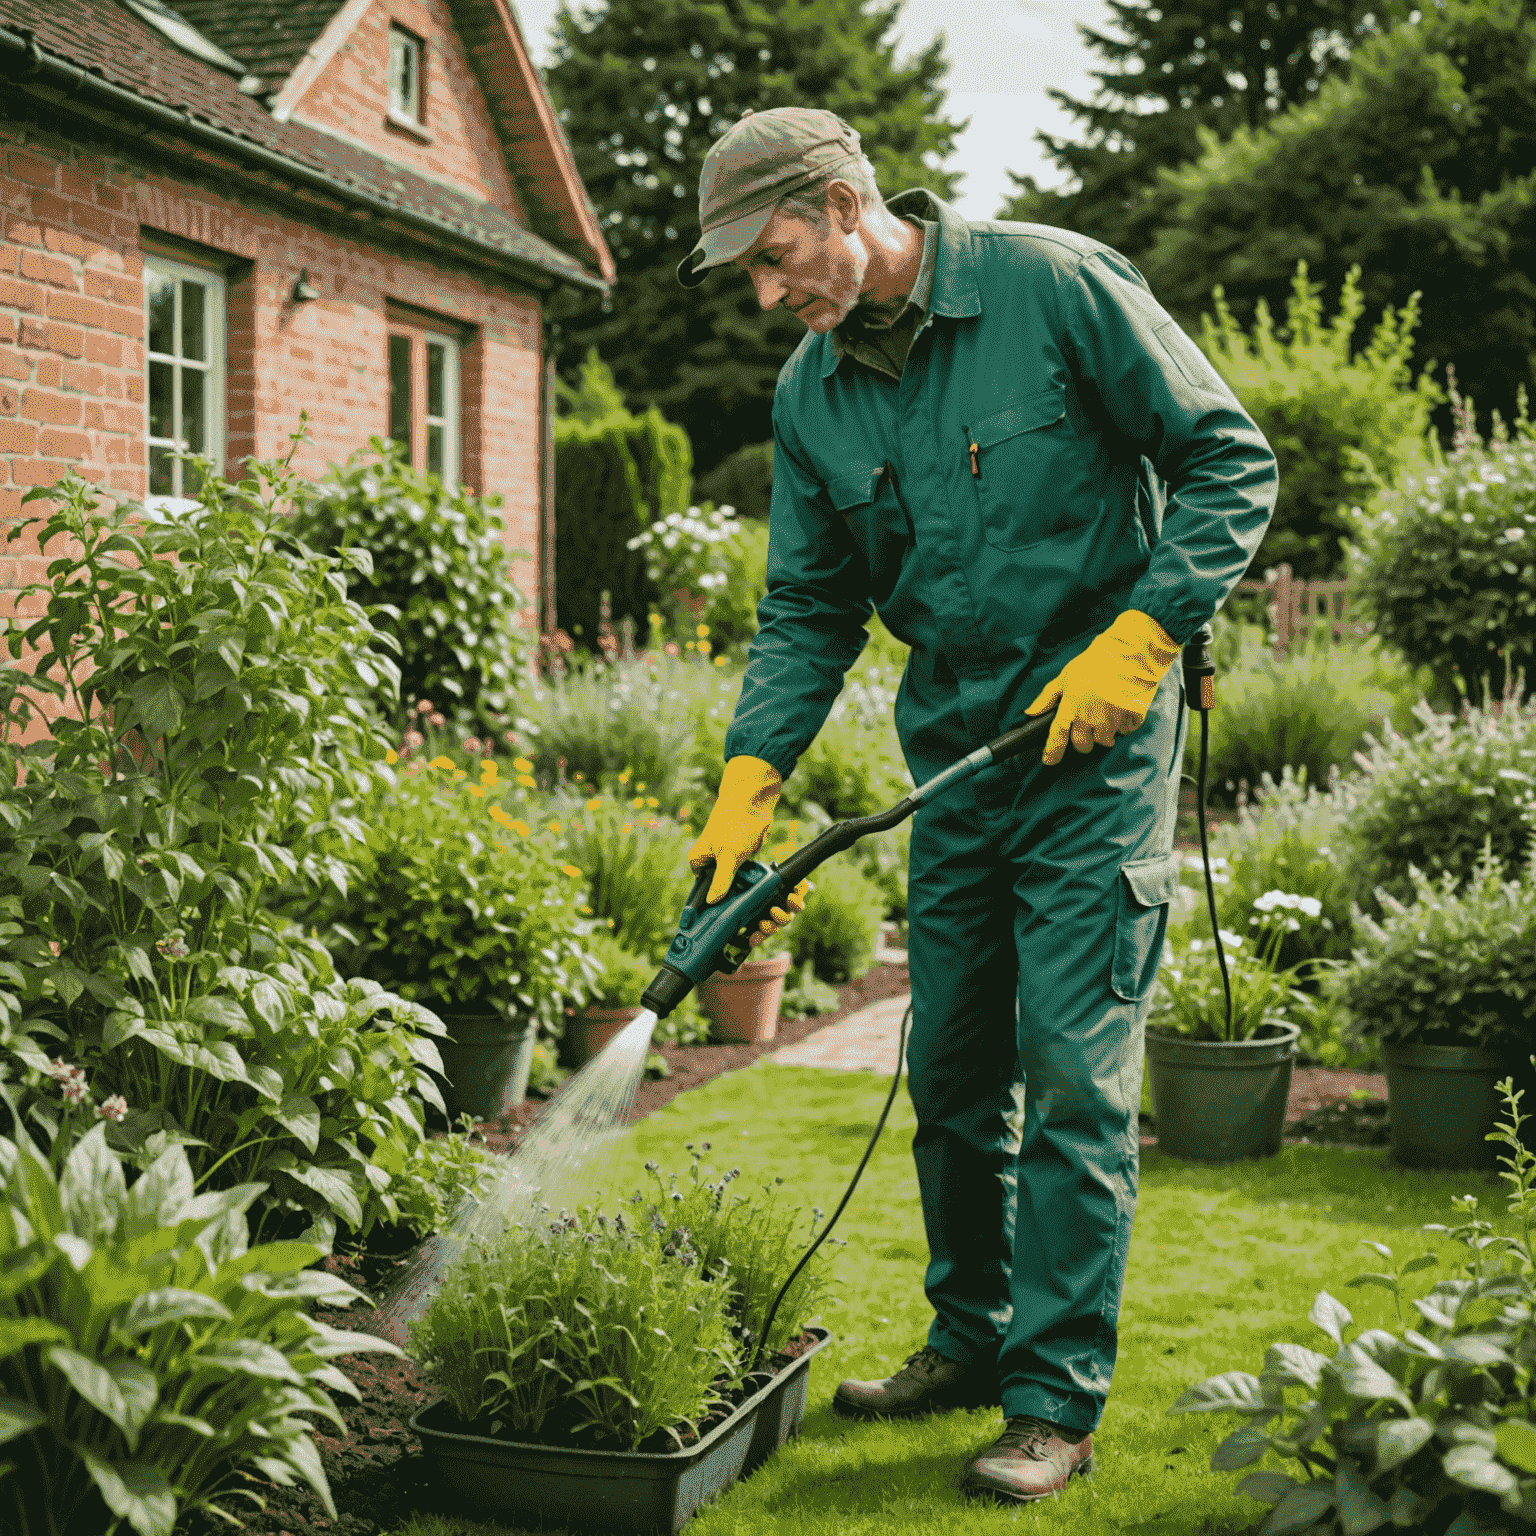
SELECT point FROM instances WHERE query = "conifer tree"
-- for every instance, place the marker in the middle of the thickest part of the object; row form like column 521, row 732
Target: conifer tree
column 644, row 87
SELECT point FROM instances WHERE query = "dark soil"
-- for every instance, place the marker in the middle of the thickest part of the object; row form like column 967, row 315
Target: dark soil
column 378, row 1472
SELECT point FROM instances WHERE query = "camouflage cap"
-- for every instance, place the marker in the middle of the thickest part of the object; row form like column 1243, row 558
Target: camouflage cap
column 756, row 162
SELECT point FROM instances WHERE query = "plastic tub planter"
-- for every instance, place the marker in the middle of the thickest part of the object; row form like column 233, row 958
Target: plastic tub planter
column 1442, row 1102
column 1216, row 1101
column 486, row 1061
column 548, row 1485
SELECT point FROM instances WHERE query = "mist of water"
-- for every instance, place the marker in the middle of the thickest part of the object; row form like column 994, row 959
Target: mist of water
column 553, row 1165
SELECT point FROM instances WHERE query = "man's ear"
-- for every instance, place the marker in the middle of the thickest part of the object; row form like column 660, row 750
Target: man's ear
column 843, row 206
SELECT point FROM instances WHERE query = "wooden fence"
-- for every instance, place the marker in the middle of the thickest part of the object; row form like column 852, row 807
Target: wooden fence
column 1295, row 606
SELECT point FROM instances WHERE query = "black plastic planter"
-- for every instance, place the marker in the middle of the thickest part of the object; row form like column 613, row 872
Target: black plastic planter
column 616, row 1490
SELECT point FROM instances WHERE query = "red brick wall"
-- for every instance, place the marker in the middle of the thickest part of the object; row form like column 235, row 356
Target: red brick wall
column 73, row 229
column 352, row 96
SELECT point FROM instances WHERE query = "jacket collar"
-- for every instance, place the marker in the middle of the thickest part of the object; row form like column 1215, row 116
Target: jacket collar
column 954, row 278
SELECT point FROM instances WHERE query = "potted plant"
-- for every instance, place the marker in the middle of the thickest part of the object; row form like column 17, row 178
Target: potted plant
column 613, row 999
column 1446, row 987
column 458, row 906
column 744, row 1004
column 1426, row 1429
column 1220, row 1094
column 594, row 1368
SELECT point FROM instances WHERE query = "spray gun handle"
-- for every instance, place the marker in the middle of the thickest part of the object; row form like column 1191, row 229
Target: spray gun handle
column 1199, row 670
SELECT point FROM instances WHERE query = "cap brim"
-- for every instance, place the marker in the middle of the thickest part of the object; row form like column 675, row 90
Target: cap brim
column 722, row 244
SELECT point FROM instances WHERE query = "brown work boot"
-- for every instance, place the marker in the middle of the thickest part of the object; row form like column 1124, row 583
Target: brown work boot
column 927, row 1383
column 1033, row 1458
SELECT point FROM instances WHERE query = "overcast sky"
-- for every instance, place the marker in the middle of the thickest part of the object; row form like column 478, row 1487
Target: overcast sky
column 1003, row 54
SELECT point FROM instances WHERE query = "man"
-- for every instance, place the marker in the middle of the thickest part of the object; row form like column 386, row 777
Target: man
column 994, row 436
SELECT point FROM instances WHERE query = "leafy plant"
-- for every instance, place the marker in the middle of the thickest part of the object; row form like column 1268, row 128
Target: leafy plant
column 1430, row 1428
column 1455, row 967
column 149, row 1355
column 458, row 904
column 1190, row 998
column 840, row 927
column 624, row 975
column 1446, row 563
column 687, row 557
column 438, row 580
column 211, row 680
column 1432, row 800
column 806, row 995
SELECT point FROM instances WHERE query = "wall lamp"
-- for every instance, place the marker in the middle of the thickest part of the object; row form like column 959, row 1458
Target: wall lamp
column 304, row 290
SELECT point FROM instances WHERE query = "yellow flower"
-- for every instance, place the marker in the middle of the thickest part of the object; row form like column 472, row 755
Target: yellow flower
column 639, row 789
column 459, row 773
column 638, row 802
column 554, row 826
column 571, row 870
column 702, row 630
column 585, row 911
column 579, row 777
column 703, row 647
column 441, row 762
column 496, row 813
column 594, row 802
column 652, row 801
column 522, row 765
column 624, row 777
column 527, row 781
column 629, row 826
column 720, row 661
column 488, row 770
column 391, row 756
column 520, row 827
column 478, row 791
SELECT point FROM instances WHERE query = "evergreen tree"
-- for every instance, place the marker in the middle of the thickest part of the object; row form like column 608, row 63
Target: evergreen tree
column 1419, row 168
column 1175, row 70
column 644, row 87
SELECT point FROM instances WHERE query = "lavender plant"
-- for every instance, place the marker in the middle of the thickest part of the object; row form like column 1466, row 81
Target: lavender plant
column 1430, row 1428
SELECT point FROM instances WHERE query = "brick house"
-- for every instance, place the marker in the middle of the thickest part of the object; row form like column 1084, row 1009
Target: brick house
column 215, row 216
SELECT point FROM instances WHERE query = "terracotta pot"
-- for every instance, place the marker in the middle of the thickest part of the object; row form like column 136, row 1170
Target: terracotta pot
column 587, row 1032
column 745, row 1006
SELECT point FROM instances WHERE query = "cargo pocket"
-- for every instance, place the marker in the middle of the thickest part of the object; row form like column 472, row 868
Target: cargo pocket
column 1146, row 887
column 1022, row 452
column 867, row 505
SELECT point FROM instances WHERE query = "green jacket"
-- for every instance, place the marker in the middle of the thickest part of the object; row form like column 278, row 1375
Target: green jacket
column 1114, row 470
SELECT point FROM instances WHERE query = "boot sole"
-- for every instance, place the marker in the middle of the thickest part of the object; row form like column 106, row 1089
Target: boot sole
column 844, row 1409
column 1085, row 1468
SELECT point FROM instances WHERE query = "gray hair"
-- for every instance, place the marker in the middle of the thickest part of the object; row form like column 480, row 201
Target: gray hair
column 810, row 202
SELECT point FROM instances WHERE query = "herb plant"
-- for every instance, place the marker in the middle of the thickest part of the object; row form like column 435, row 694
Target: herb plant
column 1430, row 1428
column 150, row 1357
column 195, row 707
column 624, row 974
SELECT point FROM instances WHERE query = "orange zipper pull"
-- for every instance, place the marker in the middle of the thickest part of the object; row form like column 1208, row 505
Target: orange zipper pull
column 975, row 446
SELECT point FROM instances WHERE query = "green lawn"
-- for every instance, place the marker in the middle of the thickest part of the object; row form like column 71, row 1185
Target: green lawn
column 1223, row 1261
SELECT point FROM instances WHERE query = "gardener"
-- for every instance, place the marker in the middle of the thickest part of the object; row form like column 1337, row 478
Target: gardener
column 995, row 437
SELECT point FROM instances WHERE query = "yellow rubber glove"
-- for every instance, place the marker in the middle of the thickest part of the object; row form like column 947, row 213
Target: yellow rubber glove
column 779, row 918
column 749, row 790
column 1108, row 688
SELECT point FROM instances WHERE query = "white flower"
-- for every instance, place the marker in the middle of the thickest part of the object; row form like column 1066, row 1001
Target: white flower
column 114, row 1108
column 1514, row 533
column 1235, row 940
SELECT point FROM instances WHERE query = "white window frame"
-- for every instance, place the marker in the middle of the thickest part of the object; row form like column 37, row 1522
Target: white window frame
column 449, row 420
column 401, row 43
column 212, row 368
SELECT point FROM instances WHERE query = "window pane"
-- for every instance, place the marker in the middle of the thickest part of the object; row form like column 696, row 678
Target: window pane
column 435, row 449
column 160, row 297
column 193, row 416
column 162, row 415
column 404, row 74
column 193, row 343
column 160, row 466
column 436, row 353
column 400, row 392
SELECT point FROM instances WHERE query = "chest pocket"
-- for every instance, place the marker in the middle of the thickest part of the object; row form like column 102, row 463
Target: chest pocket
column 1023, row 455
column 866, row 503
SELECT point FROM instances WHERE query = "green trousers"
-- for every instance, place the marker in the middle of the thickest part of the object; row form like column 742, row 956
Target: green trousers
column 1038, row 903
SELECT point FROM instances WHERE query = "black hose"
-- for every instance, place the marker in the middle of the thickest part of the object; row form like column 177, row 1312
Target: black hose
column 821, row 1237
column 1205, row 855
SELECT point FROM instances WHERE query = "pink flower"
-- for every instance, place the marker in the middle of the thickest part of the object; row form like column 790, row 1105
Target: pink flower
column 437, row 721
column 112, row 1109
column 472, row 745
column 424, row 707
column 71, row 1080
column 412, row 740
column 670, row 648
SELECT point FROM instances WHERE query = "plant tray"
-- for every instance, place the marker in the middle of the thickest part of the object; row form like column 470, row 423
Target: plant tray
column 617, row 1490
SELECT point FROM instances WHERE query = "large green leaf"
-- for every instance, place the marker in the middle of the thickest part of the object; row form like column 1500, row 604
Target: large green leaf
column 168, row 1305
column 1301, row 1507
column 1474, row 1466
column 159, row 1194
column 1517, row 1443
column 1244, row 1445
column 92, row 1186
column 332, row 1185
column 1231, row 1392
column 157, row 704
column 136, row 1493
column 1291, row 1365
column 299, row 1114
column 1398, row 1439
column 17, row 1332
column 94, row 1382
column 1331, row 1315
column 1362, row 1377
column 18, row 1418
column 1360, row 1510
column 248, row 1357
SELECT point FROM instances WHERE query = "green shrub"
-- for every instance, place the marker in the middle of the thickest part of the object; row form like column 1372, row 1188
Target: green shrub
column 743, row 479
column 153, row 1362
column 1433, row 799
column 840, row 927
column 440, row 582
column 214, row 679
column 1457, row 966
column 459, row 905
column 688, row 558
column 806, row 996
column 623, row 975
column 732, row 611
column 850, row 769
column 1339, row 422
column 630, row 718
column 1428, row 1429
column 1312, row 709
column 1446, row 563
column 636, row 865
column 615, row 474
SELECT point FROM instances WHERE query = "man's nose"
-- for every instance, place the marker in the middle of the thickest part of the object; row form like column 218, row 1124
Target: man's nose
column 771, row 287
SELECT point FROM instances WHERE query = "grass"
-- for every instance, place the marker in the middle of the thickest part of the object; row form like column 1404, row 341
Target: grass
column 1224, row 1260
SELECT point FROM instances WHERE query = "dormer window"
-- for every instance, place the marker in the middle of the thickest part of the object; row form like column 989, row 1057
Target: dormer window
column 405, row 95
